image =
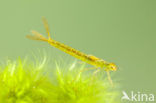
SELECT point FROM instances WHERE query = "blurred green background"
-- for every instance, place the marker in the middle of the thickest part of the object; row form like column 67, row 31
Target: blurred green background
column 120, row 31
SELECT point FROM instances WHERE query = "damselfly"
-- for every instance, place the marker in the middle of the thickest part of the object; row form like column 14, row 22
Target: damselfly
column 98, row 63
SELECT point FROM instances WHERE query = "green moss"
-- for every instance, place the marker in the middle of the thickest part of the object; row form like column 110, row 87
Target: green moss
column 23, row 82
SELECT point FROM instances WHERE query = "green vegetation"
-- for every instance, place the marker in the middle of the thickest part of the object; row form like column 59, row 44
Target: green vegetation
column 24, row 82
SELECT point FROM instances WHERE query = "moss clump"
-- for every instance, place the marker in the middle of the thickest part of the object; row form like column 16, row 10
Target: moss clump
column 23, row 82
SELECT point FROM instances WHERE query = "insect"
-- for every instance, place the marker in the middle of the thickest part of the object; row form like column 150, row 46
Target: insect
column 90, row 59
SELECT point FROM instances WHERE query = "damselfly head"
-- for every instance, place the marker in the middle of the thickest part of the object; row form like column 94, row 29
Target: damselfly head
column 111, row 67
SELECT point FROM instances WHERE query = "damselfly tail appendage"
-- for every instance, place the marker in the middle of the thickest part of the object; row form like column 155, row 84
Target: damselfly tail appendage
column 46, row 26
column 36, row 36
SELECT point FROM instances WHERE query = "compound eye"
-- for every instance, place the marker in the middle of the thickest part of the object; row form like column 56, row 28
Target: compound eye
column 112, row 67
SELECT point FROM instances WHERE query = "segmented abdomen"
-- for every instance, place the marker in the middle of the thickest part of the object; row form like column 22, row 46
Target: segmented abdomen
column 77, row 54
